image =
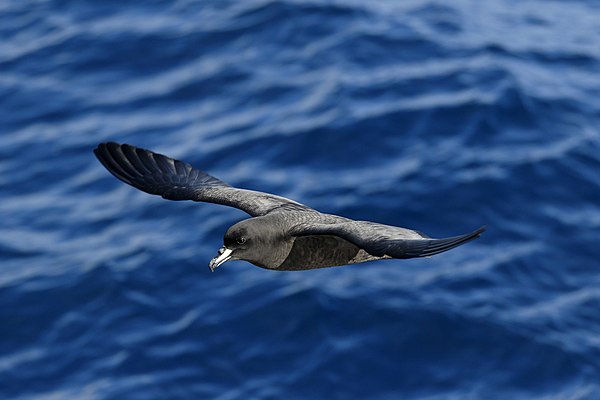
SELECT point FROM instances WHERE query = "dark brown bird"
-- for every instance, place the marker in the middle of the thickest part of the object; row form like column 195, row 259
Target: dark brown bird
column 282, row 234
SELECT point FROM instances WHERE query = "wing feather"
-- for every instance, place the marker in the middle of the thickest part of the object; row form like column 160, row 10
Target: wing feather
column 383, row 240
column 176, row 180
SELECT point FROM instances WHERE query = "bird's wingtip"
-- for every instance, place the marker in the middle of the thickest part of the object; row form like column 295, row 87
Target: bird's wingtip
column 480, row 230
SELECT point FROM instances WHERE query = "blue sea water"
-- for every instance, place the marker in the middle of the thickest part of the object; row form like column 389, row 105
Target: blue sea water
column 438, row 116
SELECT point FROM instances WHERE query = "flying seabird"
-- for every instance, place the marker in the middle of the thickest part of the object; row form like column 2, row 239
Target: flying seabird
column 282, row 234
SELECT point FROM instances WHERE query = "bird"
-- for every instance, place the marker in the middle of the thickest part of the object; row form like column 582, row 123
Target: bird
column 281, row 234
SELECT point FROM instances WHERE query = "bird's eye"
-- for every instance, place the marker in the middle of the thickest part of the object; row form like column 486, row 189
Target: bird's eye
column 241, row 240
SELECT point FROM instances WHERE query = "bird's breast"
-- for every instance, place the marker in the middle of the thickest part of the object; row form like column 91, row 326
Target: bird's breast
column 319, row 251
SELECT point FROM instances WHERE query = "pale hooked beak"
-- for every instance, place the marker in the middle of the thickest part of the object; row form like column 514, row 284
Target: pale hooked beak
column 224, row 255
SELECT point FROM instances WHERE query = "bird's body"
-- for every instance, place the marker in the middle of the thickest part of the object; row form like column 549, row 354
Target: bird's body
column 311, row 251
column 282, row 234
column 322, row 251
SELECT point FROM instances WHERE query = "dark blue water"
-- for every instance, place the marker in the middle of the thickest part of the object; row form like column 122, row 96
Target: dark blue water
column 438, row 116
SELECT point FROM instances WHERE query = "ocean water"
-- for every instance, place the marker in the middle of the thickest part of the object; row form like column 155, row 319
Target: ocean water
column 438, row 116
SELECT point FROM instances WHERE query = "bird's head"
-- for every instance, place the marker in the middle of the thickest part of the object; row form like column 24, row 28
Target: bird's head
column 254, row 241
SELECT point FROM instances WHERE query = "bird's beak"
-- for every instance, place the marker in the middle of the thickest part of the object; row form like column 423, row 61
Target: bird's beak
column 224, row 255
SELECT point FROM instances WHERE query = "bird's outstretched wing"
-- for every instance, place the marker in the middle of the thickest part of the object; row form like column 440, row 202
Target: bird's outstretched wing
column 175, row 180
column 383, row 240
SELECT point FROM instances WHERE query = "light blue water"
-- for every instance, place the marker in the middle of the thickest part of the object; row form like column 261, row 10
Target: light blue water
column 438, row 116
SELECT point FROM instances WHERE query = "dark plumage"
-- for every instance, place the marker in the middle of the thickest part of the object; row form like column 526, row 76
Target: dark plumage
column 283, row 234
